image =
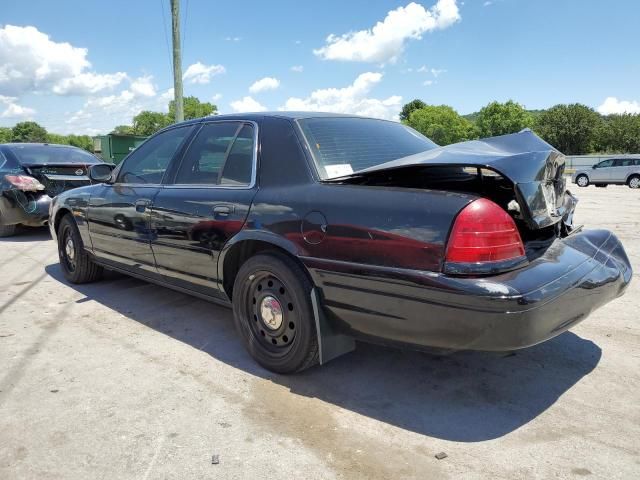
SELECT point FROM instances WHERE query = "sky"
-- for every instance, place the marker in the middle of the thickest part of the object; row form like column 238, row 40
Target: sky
column 78, row 66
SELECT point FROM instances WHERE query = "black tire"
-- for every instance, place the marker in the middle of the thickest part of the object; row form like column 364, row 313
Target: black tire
column 578, row 180
column 287, row 346
column 634, row 181
column 77, row 266
column 7, row 230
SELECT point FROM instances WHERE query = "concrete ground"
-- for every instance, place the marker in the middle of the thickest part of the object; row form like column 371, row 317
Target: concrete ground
column 124, row 379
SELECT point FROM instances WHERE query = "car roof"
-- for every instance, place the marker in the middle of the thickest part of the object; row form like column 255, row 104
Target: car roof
column 52, row 145
column 255, row 116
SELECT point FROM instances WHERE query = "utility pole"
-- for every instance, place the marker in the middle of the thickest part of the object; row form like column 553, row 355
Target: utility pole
column 177, row 60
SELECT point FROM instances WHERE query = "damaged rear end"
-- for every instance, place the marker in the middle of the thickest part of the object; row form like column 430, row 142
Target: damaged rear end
column 522, row 204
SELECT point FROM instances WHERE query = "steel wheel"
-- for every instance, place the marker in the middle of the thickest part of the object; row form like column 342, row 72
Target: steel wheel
column 67, row 248
column 274, row 315
column 582, row 181
column 77, row 266
column 634, row 182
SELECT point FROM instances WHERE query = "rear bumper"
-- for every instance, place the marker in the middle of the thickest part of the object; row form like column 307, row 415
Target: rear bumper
column 513, row 310
column 30, row 209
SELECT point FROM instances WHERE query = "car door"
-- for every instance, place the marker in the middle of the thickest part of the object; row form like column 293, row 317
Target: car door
column 601, row 172
column 205, row 202
column 118, row 214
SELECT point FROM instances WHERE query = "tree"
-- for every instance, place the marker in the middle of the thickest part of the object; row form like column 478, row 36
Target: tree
column 620, row 134
column 408, row 109
column 147, row 122
column 81, row 141
column 123, row 130
column 502, row 118
column 193, row 108
column 58, row 139
column 5, row 134
column 28, row 132
column 572, row 129
column 442, row 124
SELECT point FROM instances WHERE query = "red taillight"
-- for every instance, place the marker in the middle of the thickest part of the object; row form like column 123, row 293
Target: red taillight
column 24, row 183
column 482, row 233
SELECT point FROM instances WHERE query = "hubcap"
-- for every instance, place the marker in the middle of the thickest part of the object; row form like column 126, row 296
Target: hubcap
column 635, row 182
column 271, row 312
column 582, row 181
column 69, row 249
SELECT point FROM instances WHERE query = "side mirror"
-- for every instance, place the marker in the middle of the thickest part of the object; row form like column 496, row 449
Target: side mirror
column 101, row 172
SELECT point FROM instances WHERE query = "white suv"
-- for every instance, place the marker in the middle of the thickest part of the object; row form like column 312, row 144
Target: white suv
column 615, row 171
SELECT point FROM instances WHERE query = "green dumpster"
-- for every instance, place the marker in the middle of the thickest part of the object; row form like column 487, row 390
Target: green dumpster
column 113, row 148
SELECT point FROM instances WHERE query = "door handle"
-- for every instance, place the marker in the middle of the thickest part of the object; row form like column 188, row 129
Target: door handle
column 141, row 205
column 222, row 210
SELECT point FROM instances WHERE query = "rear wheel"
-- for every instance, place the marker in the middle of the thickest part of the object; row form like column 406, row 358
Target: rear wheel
column 634, row 181
column 273, row 313
column 77, row 265
column 582, row 180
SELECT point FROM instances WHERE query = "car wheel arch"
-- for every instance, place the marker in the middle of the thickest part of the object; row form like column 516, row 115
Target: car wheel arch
column 59, row 215
column 630, row 177
column 242, row 247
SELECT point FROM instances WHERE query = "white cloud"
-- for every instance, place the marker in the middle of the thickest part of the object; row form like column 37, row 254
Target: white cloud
column 233, row 39
column 612, row 105
column 427, row 83
column 247, row 104
column 436, row 72
column 102, row 113
column 352, row 99
column 487, row 3
column 143, row 86
column 266, row 83
column 87, row 83
column 216, row 97
column 386, row 40
column 297, row 68
column 31, row 62
column 14, row 110
column 201, row 73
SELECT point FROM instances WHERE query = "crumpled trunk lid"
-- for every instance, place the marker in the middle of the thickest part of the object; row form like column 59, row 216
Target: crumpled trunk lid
column 58, row 178
column 535, row 168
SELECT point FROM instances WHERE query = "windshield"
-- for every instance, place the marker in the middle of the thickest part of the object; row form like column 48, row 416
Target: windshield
column 344, row 145
column 49, row 154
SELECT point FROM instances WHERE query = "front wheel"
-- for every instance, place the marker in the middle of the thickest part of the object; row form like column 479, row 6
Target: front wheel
column 634, row 182
column 77, row 265
column 7, row 230
column 582, row 181
column 273, row 313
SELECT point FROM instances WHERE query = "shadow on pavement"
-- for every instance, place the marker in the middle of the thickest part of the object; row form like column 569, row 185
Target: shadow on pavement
column 466, row 397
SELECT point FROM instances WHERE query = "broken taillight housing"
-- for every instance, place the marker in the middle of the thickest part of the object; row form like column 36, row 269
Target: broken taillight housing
column 24, row 183
column 484, row 239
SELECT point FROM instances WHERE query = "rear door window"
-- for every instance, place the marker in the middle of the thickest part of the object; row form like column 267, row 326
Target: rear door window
column 222, row 153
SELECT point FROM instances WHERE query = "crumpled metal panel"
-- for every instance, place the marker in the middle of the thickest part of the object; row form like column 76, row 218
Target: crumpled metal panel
column 535, row 167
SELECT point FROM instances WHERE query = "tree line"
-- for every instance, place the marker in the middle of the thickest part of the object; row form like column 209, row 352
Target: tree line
column 26, row 132
column 574, row 129
column 145, row 123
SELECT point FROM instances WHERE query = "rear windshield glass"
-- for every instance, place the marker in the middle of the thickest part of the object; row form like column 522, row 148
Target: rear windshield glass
column 342, row 146
column 44, row 154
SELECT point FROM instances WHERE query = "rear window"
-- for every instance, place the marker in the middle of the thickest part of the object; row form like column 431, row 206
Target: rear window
column 46, row 154
column 343, row 145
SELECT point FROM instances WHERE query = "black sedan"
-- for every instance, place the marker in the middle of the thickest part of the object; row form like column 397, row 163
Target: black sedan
column 320, row 229
column 31, row 174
